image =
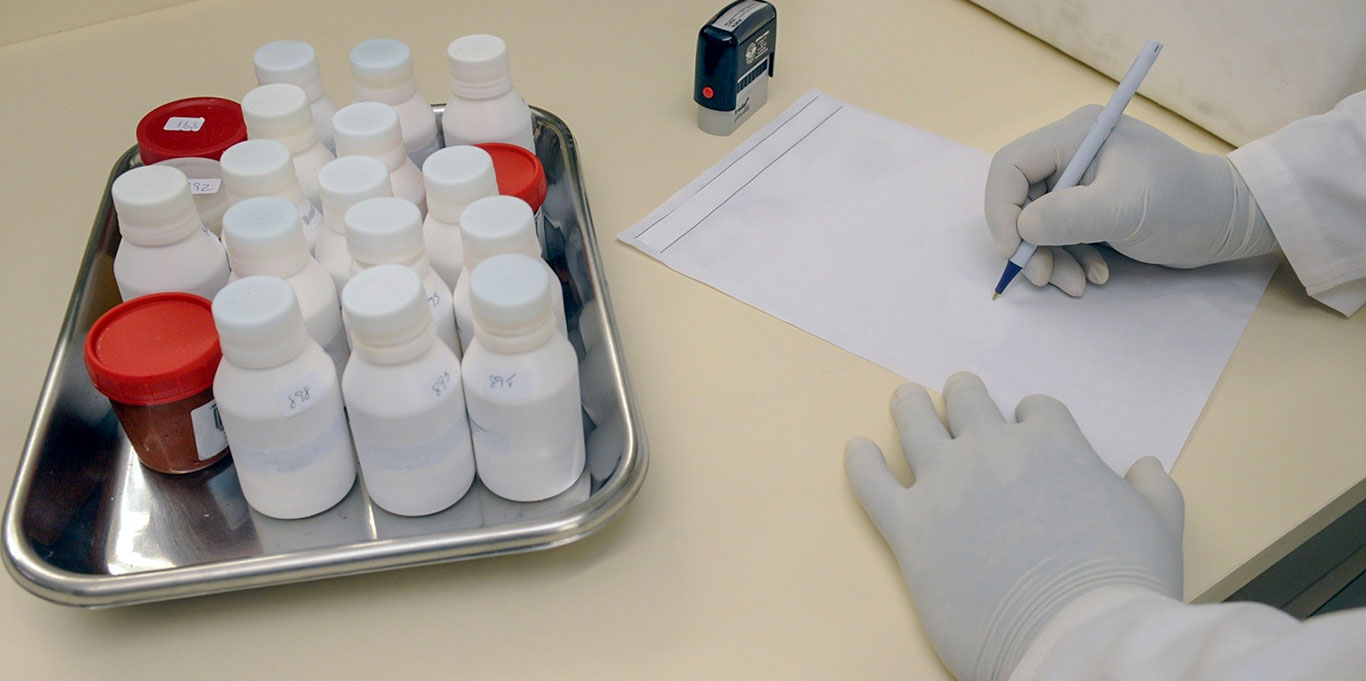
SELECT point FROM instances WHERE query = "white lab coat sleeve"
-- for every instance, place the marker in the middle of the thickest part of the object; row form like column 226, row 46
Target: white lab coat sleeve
column 1132, row 634
column 1310, row 180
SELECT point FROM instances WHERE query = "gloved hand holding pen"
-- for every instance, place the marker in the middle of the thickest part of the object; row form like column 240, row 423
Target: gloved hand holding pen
column 1145, row 195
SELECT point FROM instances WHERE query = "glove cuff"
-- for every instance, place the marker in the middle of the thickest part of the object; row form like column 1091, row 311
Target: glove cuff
column 1086, row 609
column 1249, row 235
column 1038, row 596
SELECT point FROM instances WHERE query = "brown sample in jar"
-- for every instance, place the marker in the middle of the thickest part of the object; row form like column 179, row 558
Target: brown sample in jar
column 155, row 358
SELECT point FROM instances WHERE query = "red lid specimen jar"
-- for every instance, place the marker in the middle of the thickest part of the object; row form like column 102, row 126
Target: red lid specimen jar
column 201, row 127
column 155, row 357
column 519, row 173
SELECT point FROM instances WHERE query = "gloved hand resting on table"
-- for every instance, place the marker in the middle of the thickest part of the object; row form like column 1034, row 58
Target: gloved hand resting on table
column 1008, row 522
column 1146, row 195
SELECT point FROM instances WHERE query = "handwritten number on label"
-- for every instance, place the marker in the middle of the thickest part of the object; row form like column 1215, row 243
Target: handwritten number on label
column 441, row 384
column 497, row 381
column 205, row 186
column 183, row 124
column 298, row 398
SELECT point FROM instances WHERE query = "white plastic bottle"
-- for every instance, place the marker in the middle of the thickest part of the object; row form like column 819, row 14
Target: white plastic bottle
column 403, row 396
column 455, row 178
column 484, row 107
column 266, row 168
column 371, row 129
column 294, row 62
column 521, row 383
column 264, row 237
column 388, row 231
column 280, row 401
column 493, row 226
column 164, row 247
column 344, row 183
column 382, row 71
column 206, row 188
column 279, row 112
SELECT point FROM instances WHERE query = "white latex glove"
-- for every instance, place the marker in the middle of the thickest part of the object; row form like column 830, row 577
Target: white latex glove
column 1145, row 194
column 1008, row 522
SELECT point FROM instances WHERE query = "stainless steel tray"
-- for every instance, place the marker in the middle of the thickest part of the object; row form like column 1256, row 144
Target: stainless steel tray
column 87, row 525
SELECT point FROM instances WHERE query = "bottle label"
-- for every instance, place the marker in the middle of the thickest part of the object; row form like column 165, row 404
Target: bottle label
column 508, row 384
column 454, row 442
column 298, row 396
column 209, row 438
column 183, row 124
column 312, row 222
column 206, row 185
column 490, row 441
column 436, row 387
column 308, row 213
column 434, row 299
column 291, row 459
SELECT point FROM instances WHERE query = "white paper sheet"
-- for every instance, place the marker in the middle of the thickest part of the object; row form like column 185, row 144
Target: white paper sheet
column 869, row 233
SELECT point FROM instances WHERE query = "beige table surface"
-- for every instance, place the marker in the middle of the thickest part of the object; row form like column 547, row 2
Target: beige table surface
column 745, row 554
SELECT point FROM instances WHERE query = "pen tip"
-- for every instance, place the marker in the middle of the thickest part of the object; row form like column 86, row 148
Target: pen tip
column 995, row 295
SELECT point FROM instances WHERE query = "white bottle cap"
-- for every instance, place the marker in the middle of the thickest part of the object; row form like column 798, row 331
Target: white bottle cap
column 260, row 168
column 154, row 205
column 259, row 322
column 279, row 111
column 479, row 66
column 263, row 235
column 456, row 177
column 382, row 70
column 347, row 181
column 497, row 224
column 510, row 295
column 369, row 129
column 290, row 61
column 385, row 307
column 384, row 230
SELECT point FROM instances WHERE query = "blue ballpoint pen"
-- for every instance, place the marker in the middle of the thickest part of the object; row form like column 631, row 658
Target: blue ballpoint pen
column 1090, row 144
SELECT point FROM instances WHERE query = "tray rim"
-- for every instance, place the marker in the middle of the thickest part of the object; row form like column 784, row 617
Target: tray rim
column 66, row 587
